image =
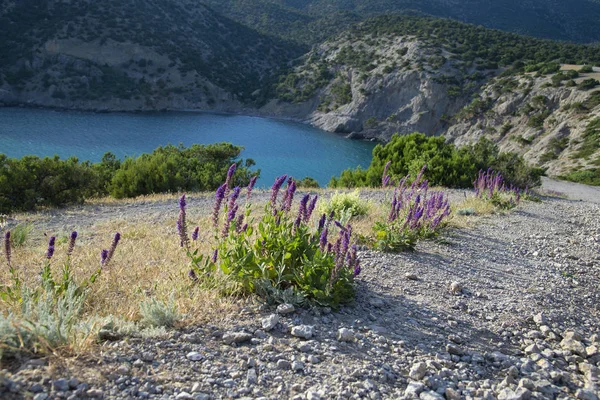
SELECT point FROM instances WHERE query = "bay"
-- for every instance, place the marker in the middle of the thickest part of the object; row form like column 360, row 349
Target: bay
column 278, row 147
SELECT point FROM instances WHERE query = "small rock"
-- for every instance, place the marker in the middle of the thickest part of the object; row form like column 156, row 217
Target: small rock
column 251, row 376
column 194, row 356
column 414, row 389
column 60, row 385
column 456, row 288
column 284, row 309
column 283, row 364
column 345, row 335
column 574, row 346
column 184, row 396
column 430, row 396
column 540, row 319
column 411, row 277
column 123, row 369
column 40, row 396
column 236, row 337
column 454, row 349
column 313, row 396
column 418, row 371
column 303, row 331
column 297, row 366
column 376, row 302
column 452, row 394
column 268, row 323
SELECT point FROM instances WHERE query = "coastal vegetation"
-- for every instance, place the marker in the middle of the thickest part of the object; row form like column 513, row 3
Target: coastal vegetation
column 32, row 182
column 447, row 165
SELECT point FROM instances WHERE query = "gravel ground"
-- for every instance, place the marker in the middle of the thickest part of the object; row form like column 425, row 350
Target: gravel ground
column 509, row 309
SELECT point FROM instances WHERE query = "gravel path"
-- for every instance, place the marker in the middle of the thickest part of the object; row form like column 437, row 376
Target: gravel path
column 575, row 191
column 507, row 310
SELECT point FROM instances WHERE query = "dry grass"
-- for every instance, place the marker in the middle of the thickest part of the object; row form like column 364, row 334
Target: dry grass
column 148, row 263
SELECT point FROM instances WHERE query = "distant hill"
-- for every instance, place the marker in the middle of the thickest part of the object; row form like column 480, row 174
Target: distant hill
column 312, row 20
column 137, row 51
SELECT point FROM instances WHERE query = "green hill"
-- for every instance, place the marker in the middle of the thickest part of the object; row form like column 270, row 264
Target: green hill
column 133, row 48
column 312, row 20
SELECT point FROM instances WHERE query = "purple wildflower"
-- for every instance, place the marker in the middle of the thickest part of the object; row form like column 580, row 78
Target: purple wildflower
column 7, row 247
column 50, row 251
column 233, row 197
column 323, row 239
column 288, row 198
column 275, row 189
column 181, row 223
column 340, row 226
column 322, row 223
column 357, row 268
column 192, row 275
column 230, row 173
column 214, row 256
column 385, row 178
column 103, row 256
column 195, row 233
column 72, row 239
column 239, row 223
column 302, row 211
column 251, row 186
column 311, row 208
column 113, row 247
column 219, row 196
column 230, row 217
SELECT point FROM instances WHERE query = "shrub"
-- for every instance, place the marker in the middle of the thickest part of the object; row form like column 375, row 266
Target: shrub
column 32, row 182
column 345, row 205
column 446, row 165
column 20, row 234
column 308, row 182
column 281, row 256
column 586, row 69
column 415, row 213
column 588, row 84
column 157, row 313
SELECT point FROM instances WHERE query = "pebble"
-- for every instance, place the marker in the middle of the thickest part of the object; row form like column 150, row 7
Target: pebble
column 303, row 331
column 268, row 323
column 345, row 335
column 284, row 309
column 194, row 356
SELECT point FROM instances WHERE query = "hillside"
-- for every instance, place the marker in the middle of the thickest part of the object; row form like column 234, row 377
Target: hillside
column 310, row 21
column 405, row 74
column 132, row 55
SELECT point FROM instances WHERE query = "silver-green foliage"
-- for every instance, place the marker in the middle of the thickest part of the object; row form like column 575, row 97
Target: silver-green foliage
column 158, row 313
column 44, row 321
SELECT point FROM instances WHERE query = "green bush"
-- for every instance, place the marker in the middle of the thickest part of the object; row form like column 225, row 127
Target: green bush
column 345, row 205
column 588, row 84
column 32, row 182
column 446, row 165
column 176, row 168
column 280, row 256
column 586, row 69
column 308, row 182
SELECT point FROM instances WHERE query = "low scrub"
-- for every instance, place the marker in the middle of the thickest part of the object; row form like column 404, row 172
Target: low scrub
column 344, row 206
column 32, row 182
column 447, row 165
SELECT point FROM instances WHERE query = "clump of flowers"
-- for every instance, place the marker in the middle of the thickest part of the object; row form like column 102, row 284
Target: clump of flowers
column 58, row 285
column 490, row 185
column 414, row 212
column 281, row 252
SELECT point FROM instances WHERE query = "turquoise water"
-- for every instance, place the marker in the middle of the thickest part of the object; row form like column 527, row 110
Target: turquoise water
column 277, row 147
